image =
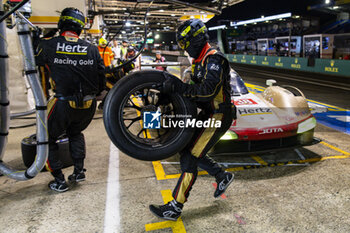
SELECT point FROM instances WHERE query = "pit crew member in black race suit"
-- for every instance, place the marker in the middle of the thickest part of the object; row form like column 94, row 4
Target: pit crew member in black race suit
column 77, row 71
column 211, row 91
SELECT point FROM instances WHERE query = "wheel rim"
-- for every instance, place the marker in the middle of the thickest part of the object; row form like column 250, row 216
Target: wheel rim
column 144, row 98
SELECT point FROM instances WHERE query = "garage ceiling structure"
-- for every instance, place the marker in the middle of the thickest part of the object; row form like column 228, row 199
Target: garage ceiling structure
column 127, row 17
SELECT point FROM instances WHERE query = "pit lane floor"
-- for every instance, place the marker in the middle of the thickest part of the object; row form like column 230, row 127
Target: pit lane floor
column 310, row 197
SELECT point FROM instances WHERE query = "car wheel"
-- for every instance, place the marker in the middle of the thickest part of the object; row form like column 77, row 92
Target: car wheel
column 125, row 107
column 28, row 147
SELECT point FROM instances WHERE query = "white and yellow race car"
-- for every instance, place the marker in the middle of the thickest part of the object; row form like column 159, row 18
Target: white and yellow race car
column 279, row 117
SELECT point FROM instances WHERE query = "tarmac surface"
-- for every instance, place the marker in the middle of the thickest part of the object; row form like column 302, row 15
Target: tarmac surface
column 312, row 194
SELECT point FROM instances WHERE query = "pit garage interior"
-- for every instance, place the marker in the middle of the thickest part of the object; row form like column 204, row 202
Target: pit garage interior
column 295, row 189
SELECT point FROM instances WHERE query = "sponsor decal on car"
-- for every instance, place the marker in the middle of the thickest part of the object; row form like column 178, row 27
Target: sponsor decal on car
column 289, row 118
column 271, row 130
column 245, row 102
column 302, row 113
column 254, row 111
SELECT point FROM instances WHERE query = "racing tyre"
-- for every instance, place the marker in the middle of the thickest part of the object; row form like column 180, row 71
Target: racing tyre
column 28, row 147
column 131, row 100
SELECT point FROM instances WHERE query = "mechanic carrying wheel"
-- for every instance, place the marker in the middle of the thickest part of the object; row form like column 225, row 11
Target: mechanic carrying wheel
column 77, row 71
column 211, row 92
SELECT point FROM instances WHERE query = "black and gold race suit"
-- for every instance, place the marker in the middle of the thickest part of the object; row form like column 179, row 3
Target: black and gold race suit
column 211, row 91
column 77, row 73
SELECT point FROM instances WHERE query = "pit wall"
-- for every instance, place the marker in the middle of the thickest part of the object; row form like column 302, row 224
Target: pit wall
column 323, row 66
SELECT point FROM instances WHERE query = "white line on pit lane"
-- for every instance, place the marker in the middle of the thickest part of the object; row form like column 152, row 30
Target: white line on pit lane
column 112, row 213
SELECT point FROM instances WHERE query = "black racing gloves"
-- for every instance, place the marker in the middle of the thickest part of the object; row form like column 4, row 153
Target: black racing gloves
column 168, row 86
column 171, row 85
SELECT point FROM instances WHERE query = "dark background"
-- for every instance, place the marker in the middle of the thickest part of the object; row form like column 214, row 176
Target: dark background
column 250, row 9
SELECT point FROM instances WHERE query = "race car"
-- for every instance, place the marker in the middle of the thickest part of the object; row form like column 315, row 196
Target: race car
column 277, row 118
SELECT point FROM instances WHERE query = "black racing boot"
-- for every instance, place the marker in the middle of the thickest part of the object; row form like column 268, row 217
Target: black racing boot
column 59, row 184
column 170, row 211
column 223, row 180
column 77, row 176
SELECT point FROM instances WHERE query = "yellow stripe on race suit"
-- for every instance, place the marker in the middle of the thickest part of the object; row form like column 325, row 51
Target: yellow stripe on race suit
column 36, row 55
column 184, row 32
column 205, row 137
column 47, row 167
column 71, row 53
column 86, row 104
column 43, row 80
column 185, row 183
column 50, row 104
column 109, row 85
column 219, row 98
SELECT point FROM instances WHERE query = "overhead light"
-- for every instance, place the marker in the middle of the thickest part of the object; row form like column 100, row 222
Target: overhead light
column 192, row 17
column 173, row 15
column 262, row 16
column 161, row 10
column 163, row 42
column 327, row 1
column 123, row 32
column 127, row 24
column 148, row 13
column 335, row 7
column 156, row 36
column 217, row 27
column 158, row 23
column 262, row 19
column 255, row 23
column 158, row 30
column 202, row 12
column 138, row 28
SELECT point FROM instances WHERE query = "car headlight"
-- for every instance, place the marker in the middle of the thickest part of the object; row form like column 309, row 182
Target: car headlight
column 229, row 135
column 307, row 125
